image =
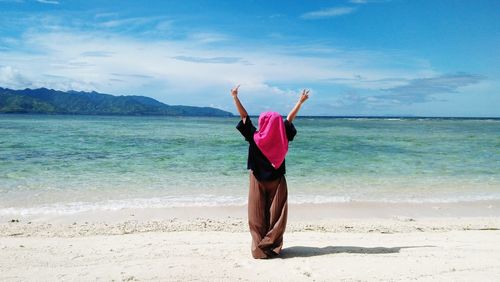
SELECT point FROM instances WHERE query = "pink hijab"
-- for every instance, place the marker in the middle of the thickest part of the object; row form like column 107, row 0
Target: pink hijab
column 271, row 138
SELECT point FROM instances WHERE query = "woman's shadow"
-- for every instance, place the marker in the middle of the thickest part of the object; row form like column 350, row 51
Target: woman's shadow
column 303, row 251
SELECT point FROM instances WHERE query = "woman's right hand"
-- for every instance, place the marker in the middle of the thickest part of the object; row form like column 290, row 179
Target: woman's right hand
column 234, row 91
column 304, row 96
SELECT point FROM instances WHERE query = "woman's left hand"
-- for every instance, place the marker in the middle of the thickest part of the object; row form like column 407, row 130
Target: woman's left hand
column 234, row 91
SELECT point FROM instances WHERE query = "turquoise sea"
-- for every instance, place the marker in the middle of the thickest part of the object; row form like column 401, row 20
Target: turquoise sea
column 67, row 164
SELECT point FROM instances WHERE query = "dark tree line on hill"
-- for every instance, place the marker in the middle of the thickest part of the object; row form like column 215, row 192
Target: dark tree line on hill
column 49, row 101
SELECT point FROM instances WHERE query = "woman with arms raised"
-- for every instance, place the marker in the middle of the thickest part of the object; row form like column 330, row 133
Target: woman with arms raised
column 267, row 196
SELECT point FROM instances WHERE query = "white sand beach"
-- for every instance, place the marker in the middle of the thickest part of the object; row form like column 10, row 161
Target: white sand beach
column 212, row 244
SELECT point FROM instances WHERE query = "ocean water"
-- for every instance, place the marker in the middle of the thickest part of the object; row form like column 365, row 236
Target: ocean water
column 69, row 164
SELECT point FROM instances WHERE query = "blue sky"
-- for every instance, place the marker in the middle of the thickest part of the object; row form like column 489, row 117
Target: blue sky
column 359, row 57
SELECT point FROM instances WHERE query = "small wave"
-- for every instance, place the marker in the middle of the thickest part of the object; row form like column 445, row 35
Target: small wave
column 163, row 202
column 447, row 200
column 320, row 199
column 212, row 201
column 357, row 119
column 114, row 205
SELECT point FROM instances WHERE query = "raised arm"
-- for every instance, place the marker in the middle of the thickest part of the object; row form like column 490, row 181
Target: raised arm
column 239, row 106
column 293, row 113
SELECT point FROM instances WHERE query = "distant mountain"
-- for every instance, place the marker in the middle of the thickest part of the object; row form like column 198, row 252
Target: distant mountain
column 49, row 101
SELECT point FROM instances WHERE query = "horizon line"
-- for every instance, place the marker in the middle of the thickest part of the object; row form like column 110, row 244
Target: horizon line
column 299, row 116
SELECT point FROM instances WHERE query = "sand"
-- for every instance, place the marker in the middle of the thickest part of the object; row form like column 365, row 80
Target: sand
column 185, row 244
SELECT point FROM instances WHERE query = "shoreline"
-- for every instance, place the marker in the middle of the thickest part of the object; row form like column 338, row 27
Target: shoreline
column 343, row 217
column 353, row 209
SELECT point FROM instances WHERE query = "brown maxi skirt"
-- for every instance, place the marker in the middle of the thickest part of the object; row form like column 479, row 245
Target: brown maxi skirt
column 267, row 215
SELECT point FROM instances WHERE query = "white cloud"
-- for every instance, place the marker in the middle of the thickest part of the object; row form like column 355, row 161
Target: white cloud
column 106, row 15
column 423, row 89
column 128, row 22
column 213, row 60
column 207, row 37
column 194, row 70
column 53, row 2
column 367, row 1
column 328, row 13
column 413, row 91
column 11, row 77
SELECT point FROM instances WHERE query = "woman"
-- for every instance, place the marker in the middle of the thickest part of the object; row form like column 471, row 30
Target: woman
column 267, row 196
